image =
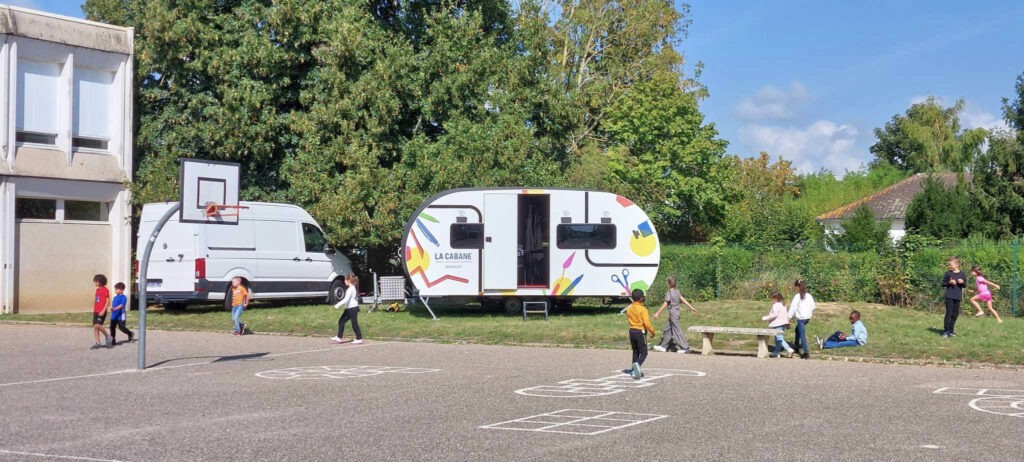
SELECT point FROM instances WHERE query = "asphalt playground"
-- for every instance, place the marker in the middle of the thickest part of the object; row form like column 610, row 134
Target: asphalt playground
column 213, row 396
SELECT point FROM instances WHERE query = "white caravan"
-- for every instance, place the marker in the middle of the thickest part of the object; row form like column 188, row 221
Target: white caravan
column 514, row 245
column 278, row 250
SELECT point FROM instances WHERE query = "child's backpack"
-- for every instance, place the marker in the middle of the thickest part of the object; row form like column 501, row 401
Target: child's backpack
column 835, row 336
column 394, row 307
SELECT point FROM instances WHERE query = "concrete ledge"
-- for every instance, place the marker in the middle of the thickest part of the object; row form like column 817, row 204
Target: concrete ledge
column 732, row 330
column 66, row 30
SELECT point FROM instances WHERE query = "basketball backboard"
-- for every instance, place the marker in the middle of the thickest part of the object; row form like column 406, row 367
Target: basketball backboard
column 206, row 183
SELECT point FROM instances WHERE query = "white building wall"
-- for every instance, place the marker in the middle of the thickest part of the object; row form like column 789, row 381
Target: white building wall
column 59, row 170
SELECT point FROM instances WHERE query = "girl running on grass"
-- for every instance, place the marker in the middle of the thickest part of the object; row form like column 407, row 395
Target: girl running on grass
column 984, row 294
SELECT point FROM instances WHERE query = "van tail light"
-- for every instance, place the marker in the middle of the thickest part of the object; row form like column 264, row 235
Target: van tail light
column 200, row 268
column 136, row 269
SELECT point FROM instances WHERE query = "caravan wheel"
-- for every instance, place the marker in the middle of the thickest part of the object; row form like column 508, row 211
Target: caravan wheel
column 513, row 305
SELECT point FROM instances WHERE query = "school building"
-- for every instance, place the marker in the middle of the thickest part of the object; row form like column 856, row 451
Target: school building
column 65, row 159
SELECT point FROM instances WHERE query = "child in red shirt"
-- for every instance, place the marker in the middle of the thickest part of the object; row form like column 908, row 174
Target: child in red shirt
column 100, row 304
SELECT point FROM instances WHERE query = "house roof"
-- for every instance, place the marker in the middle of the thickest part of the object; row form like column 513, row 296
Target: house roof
column 892, row 202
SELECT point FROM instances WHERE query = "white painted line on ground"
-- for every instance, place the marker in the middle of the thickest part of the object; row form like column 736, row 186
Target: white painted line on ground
column 339, row 372
column 991, row 400
column 54, row 456
column 577, row 418
column 587, row 388
column 158, row 368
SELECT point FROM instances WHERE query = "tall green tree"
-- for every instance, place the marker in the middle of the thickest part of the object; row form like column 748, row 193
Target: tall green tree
column 998, row 182
column 862, row 232
column 928, row 138
column 940, row 212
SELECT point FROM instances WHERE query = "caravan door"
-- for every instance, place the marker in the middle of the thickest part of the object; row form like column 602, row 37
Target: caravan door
column 500, row 255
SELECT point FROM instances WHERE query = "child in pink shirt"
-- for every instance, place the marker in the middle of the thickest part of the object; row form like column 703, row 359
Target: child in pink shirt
column 984, row 294
column 778, row 319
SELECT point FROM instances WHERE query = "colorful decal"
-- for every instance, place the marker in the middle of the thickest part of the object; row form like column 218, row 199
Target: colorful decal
column 624, row 282
column 568, row 290
column 562, row 285
column 623, row 201
column 639, row 285
column 533, row 191
column 429, row 218
column 418, row 260
column 643, row 242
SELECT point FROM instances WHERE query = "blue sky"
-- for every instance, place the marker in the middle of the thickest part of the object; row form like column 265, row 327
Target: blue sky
column 810, row 80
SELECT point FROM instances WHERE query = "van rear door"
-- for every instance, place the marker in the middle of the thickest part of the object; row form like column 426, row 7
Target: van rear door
column 172, row 261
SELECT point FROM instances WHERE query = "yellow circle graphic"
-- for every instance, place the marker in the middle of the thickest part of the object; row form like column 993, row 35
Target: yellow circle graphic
column 643, row 245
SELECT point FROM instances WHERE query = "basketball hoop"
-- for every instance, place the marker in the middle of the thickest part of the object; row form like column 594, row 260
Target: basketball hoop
column 215, row 210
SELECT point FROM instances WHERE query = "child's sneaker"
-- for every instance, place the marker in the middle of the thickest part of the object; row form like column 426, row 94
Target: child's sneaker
column 659, row 348
column 131, row 337
column 235, row 333
column 789, row 350
column 683, row 350
column 336, row 339
column 357, row 341
column 110, row 343
column 636, row 371
column 241, row 331
column 821, row 343
column 953, row 334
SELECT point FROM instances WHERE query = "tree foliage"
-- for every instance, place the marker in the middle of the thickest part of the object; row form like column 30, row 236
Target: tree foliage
column 766, row 213
column 998, row 182
column 928, row 138
column 863, row 232
column 941, row 213
column 357, row 111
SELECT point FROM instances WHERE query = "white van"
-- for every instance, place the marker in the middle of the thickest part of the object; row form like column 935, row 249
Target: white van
column 278, row 250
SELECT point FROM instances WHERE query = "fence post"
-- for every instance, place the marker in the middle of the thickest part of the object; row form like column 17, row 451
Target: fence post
column 1016, row 274
column 718, row 277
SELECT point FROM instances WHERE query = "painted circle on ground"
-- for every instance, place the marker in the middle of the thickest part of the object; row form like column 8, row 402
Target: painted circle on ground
column 319, row 372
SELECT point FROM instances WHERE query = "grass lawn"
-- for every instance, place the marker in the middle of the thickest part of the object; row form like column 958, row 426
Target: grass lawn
column 893, row 333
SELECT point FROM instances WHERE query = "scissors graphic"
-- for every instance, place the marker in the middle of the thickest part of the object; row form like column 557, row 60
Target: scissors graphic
column 624, row 282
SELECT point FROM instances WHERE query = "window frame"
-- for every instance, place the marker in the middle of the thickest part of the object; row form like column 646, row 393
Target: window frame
column 59, row 212
column 451, row 236
column 19, row 93
column 305, row 246
column 112, row 111
column 559, row 241
column 56, row 211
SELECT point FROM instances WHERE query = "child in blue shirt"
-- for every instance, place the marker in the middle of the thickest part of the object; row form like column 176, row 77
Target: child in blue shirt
column 119, row 314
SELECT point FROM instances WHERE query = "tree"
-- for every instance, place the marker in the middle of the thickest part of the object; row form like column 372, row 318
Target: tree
column 941, row 213
column 766, row 213
column 663, row 156
column 862, row 232
column 997, row 187
column 928, row 138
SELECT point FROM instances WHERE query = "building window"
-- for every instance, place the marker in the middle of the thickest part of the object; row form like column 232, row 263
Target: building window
column 314, row 238
column 36, row 119
column 586, row 236
column 90, row 127
column 467, row 236
column 35, row 209
column 85, row 211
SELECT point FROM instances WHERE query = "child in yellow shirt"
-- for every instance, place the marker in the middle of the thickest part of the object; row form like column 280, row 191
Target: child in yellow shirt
column 639, row 324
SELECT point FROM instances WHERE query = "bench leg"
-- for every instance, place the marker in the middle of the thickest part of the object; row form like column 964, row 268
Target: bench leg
column 706, row 349
column 762, row 346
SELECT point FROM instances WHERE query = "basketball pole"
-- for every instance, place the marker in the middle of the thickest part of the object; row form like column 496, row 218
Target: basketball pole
column 143, row 267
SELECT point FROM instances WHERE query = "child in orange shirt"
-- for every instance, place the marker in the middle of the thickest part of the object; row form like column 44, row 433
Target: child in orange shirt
column 239, row 300
column 639, row 324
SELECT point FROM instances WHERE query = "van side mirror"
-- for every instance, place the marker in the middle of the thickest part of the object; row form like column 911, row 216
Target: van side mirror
column 330, row 251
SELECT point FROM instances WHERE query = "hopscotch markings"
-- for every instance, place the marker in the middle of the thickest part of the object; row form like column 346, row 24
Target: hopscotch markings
column 991, row 400
column 339, row 372
column 576, row 422
column 586, row 388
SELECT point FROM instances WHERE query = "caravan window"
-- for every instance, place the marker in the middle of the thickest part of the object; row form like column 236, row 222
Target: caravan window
column 467, row 236
column 586, row 236
column 314, row 238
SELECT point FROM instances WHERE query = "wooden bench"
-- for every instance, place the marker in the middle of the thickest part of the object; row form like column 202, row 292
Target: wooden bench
column 709, row 332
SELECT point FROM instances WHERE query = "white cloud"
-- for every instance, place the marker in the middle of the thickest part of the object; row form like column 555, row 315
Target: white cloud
column 823, row 144
column 773, row 103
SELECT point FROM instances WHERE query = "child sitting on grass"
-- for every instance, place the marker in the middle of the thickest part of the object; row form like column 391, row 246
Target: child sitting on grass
column 639, row 324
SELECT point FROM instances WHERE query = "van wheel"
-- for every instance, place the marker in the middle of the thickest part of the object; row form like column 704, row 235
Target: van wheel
column 227, row 298
column 513, row 305
column 337, row 291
